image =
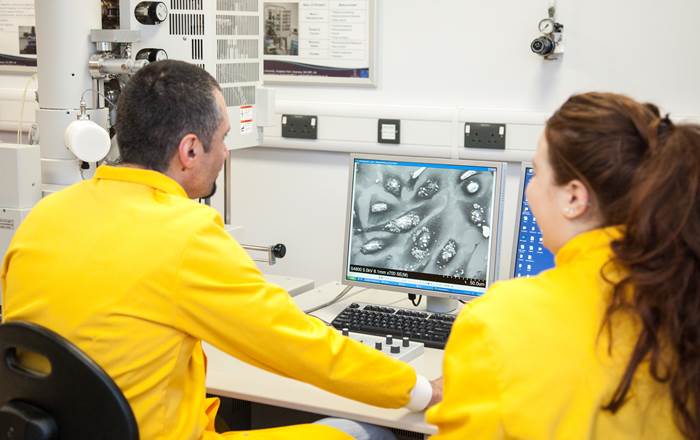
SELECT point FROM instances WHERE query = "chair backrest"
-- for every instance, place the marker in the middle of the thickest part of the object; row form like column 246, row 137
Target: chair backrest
column 77, row 400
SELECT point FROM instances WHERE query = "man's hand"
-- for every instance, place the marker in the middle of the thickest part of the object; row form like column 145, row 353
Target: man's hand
column 437, row 391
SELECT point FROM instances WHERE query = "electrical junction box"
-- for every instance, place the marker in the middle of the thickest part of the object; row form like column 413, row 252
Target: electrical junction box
column 484, row 135
column 389, row 131
column 300, row 126
column 20, row 187
column 20, row 175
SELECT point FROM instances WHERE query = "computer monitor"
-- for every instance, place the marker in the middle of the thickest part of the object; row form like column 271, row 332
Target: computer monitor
column 422, row 225
column 530, row 257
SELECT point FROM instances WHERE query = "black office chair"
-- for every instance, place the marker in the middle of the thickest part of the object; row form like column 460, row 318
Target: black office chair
column 77, row 400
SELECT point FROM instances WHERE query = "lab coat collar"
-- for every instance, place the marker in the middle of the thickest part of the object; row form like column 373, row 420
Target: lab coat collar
column 150, row 178
column 586, row 242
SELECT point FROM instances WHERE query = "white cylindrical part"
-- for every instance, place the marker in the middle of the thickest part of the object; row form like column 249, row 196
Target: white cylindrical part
column 87, row 141
column 52, row 125
column 63, row 49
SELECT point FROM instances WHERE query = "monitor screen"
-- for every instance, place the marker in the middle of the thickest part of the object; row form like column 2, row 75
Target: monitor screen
column 531, row 257
column 423, row 226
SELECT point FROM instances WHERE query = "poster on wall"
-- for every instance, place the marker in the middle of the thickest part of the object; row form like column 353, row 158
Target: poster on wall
column 319, row 41
column 17, row 35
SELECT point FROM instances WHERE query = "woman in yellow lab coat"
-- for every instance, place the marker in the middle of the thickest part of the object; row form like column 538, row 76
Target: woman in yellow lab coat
column 606, row 344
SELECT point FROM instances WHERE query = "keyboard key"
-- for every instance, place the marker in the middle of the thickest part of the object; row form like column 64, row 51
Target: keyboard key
column 432, row 329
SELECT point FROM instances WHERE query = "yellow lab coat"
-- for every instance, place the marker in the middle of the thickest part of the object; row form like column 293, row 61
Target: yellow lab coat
column 135, row 274
column 527, row 359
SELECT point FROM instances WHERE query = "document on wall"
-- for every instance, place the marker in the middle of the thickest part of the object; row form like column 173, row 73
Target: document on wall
column 17, row 33
column 323, row 41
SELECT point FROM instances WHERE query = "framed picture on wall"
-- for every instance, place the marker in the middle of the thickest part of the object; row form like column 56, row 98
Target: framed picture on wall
column 319, row 41
column 17, row 36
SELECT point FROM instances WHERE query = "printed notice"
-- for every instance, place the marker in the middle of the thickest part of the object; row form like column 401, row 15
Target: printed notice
column 17, row 33
column 247, row 120
column 318, row 41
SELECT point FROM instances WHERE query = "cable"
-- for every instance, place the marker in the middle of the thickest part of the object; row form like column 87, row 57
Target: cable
column 414, row 302
column 21, row 111
column 342, row 293
column 82, row 169
column 32, row 135
column 99, row 93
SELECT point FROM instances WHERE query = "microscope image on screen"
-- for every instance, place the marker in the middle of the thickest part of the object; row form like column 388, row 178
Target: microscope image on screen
column 433, row 220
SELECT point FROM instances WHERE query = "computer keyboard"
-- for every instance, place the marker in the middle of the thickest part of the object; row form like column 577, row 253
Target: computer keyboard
column 432, row 329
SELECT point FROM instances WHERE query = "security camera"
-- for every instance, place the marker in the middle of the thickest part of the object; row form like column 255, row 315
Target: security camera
column 549, row 44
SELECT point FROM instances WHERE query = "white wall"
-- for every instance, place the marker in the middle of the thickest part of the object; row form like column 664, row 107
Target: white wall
column 455, row 54
column 476, row 54
column 468, row 54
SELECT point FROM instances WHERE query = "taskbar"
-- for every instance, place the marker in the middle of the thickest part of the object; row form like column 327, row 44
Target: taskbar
column 407, row 279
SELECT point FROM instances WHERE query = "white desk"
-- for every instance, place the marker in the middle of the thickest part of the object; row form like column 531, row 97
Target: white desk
column 293, row 285
column 229, row 377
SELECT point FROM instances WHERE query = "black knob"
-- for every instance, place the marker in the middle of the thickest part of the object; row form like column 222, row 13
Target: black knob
column 405, row 341
column 279, row 250
column 345, row 331
column 389, row 339
column 378, row 345
column 151, row 12
column 543, row 45
column 395, row 349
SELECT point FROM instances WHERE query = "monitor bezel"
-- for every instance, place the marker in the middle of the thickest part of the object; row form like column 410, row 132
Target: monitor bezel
column 521, row 192
column 495, row 227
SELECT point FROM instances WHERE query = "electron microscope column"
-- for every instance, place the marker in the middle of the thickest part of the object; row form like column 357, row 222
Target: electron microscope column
column 63, row 51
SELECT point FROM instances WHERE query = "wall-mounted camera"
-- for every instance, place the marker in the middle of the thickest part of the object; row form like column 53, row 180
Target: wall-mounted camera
column 549, row 44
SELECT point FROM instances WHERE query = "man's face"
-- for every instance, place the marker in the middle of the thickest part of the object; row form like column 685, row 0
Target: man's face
column 213, row 160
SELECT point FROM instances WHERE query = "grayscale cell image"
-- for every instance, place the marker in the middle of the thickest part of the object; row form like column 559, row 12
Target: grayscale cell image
column 421, row 219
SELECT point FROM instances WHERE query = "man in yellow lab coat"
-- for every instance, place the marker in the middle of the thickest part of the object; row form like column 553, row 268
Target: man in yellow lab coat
column 136, row 274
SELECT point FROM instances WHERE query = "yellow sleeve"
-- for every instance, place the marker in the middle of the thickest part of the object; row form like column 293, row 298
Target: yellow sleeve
column 222, row 298
column 470, row 407
column 4, row 265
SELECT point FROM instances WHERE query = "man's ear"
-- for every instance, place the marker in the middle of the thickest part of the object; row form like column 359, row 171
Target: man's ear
column 578, row 200
column 188, row 151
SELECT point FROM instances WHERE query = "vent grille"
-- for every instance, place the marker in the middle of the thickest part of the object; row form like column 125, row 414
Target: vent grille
column 237, row 25
column 197, row 49
column 186, row 24
column 237, row 5
column 236, row 96
column 200, row 66
column 236, row 49
column 238, row 72
column 186, row 4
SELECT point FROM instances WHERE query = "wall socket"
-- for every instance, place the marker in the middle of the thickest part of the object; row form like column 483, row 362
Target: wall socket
column 484, row 135
column 389, row 131
column 300, row 126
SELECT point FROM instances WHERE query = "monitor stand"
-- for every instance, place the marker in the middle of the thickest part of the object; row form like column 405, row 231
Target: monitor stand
column 440, row 305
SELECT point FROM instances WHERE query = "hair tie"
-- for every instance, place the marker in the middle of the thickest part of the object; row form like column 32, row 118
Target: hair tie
column 665, row 126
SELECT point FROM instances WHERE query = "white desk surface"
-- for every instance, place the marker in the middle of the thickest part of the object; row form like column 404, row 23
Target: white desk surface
column 229, row 377
column 295, row 286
